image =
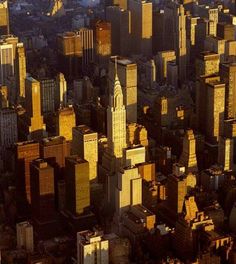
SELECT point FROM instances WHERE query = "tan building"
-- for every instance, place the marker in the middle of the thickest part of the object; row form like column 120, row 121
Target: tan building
column 20, row 69
column 92, row 248
column 162, row 58
column 225, row 153
column 175, row 34
column 102, row 31
column 215, row 107
column 25, row 236
column 61, row 91
column 4, row 17
column 188, row 156
column 128, row 191
column 65, row 121
column 134, row 155
column 216, row 45
column 127, row 74
column 228, row 76
column 77, row 185
column 85, row 144
column 120, row 29
column 35, row 127
column 141, row 26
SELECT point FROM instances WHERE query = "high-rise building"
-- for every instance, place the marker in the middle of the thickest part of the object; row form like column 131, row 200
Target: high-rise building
column 141, row 26
column 47, row 94
column 20, row 69
column 176, row 189
column 228, row 76
column 70, row 54
column 42, row 191
column 215, row 107
column 120, row 29
column 85, row 145
column 225, row 31
column 175, row 34
column 8, row 128
column 116, row 122
column 55, row 147
column 129, row 190
column 77, row 185
column 92, row 248
column 162, row 58
column 6, row 61
column 34, row 125
column 65, row 121
column 4, row 17
column 87, row 47
column 127, row 74
column 102, row 38
column 25, row 152
column 61, row 91
column 225, row 153
column 25, row 236
column 188, row 156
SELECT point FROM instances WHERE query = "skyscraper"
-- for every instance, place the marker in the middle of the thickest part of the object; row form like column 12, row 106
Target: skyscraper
column 77, row 185
column 25, row 236
column 141, row 26
column 42, row 191
column 121, row 29
column 127, row 74
column 47, row 94
column 60, row 91
column 6, row 61
column 20, row 69
column 85, row 144
column 188, row 156
column 4, row 18
column 34, row 125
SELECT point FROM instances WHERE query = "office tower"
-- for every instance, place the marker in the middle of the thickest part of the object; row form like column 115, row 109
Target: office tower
column 128, row 191
column 225, row 31
column 77, row 185
column 172, row 74
column 25, row 236
column 8, row 128
column 78, row 91
column 4, row 96
column 92, row 248
column 116, row 123
column 162, row 58
column 6, row 61
column 158, row 30
column 134, row 155
column 85, row 145
column 25, row 152
column 228, row 76
column 60, row 91
column 65, row 121
column 102, row 31
column 188, row 156
column 47, row 94
column 121, row 29
column 216, row 45
column 69, row 47
column 176, row 189
column 127, row 74
column 141, row 26
column 225, row 153
column 55, row 147
column 215, row 106
column 4, row 18
column 20, row 69
column 175, row 34
column 136, row 135
column 211, row 14
column 42, row 191
column 87, row 47
column 207, row 69
column 34, row 125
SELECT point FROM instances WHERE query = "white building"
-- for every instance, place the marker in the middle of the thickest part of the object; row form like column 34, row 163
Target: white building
column 25, row 236
column 92, row 248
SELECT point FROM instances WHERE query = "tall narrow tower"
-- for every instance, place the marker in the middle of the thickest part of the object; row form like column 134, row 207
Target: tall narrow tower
column 116, row 121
